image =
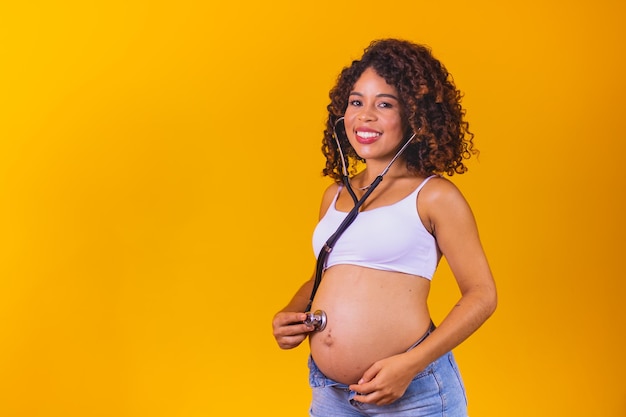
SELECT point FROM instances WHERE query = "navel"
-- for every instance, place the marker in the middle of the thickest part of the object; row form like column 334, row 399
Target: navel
column 328, row 338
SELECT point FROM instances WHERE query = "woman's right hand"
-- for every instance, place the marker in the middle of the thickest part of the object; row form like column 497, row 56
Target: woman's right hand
column 289, row 329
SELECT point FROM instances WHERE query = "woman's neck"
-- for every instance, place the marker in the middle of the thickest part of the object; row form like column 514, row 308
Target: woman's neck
column 397, row 170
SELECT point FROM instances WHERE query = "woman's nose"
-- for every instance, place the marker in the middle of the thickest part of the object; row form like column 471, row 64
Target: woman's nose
column 366, row 114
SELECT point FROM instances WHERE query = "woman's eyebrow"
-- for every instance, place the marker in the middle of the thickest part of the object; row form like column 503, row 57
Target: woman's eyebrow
column 356, row 93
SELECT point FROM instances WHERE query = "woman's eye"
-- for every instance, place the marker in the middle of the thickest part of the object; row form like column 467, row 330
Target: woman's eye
column 355, row 102
column 385, row 105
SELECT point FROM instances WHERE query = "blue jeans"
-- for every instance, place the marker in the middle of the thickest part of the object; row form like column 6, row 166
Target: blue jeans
column 437, row 391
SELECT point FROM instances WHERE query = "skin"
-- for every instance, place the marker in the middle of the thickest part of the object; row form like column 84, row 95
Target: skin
column 375, row 316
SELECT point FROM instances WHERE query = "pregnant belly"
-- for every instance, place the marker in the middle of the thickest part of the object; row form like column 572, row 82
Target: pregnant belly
column 371, row 315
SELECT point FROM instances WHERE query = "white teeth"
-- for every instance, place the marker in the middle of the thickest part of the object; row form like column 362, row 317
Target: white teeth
column 368, row 135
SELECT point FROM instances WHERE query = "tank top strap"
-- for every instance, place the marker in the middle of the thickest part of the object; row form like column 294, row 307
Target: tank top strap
column 423, row 183
column 339, row 189
column 334, row 200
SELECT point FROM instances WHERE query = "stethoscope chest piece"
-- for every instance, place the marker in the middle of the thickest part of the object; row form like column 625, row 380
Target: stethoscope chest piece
column 316, row 319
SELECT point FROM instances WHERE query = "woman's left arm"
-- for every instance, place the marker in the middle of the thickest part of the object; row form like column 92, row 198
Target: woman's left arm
column 453, row 225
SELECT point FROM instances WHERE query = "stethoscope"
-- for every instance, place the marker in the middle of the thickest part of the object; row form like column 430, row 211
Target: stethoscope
column 318, row 318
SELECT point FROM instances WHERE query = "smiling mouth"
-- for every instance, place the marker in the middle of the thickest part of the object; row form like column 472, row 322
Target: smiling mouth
column 366, row 137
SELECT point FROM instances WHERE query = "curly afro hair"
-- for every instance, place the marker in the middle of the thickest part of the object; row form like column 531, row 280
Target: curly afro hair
column 430, row 102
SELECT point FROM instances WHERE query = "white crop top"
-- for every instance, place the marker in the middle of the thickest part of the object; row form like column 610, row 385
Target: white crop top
column 388, row 238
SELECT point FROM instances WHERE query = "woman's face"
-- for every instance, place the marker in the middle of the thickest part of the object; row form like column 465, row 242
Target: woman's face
column 373, row 118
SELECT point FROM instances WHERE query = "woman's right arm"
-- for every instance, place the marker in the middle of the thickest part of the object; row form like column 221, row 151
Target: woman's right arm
column 288, row 324
column 289, row 329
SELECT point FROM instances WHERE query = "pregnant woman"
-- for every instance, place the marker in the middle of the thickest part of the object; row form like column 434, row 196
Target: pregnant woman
column 395, row 114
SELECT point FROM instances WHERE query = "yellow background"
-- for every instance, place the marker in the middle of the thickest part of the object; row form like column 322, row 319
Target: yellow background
column 160, row 179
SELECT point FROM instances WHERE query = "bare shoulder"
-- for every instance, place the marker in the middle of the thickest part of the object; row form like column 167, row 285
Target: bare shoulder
column 441, row 199
column 327, row 198
column 439, row 190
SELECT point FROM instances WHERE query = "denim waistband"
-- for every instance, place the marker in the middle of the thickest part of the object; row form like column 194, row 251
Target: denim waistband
column 431, row 328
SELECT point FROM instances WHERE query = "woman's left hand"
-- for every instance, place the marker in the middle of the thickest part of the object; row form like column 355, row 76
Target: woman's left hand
column 384, row 382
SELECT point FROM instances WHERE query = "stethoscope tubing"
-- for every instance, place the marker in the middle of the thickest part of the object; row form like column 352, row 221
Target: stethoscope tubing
column 330, row 243
column 320, row 265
